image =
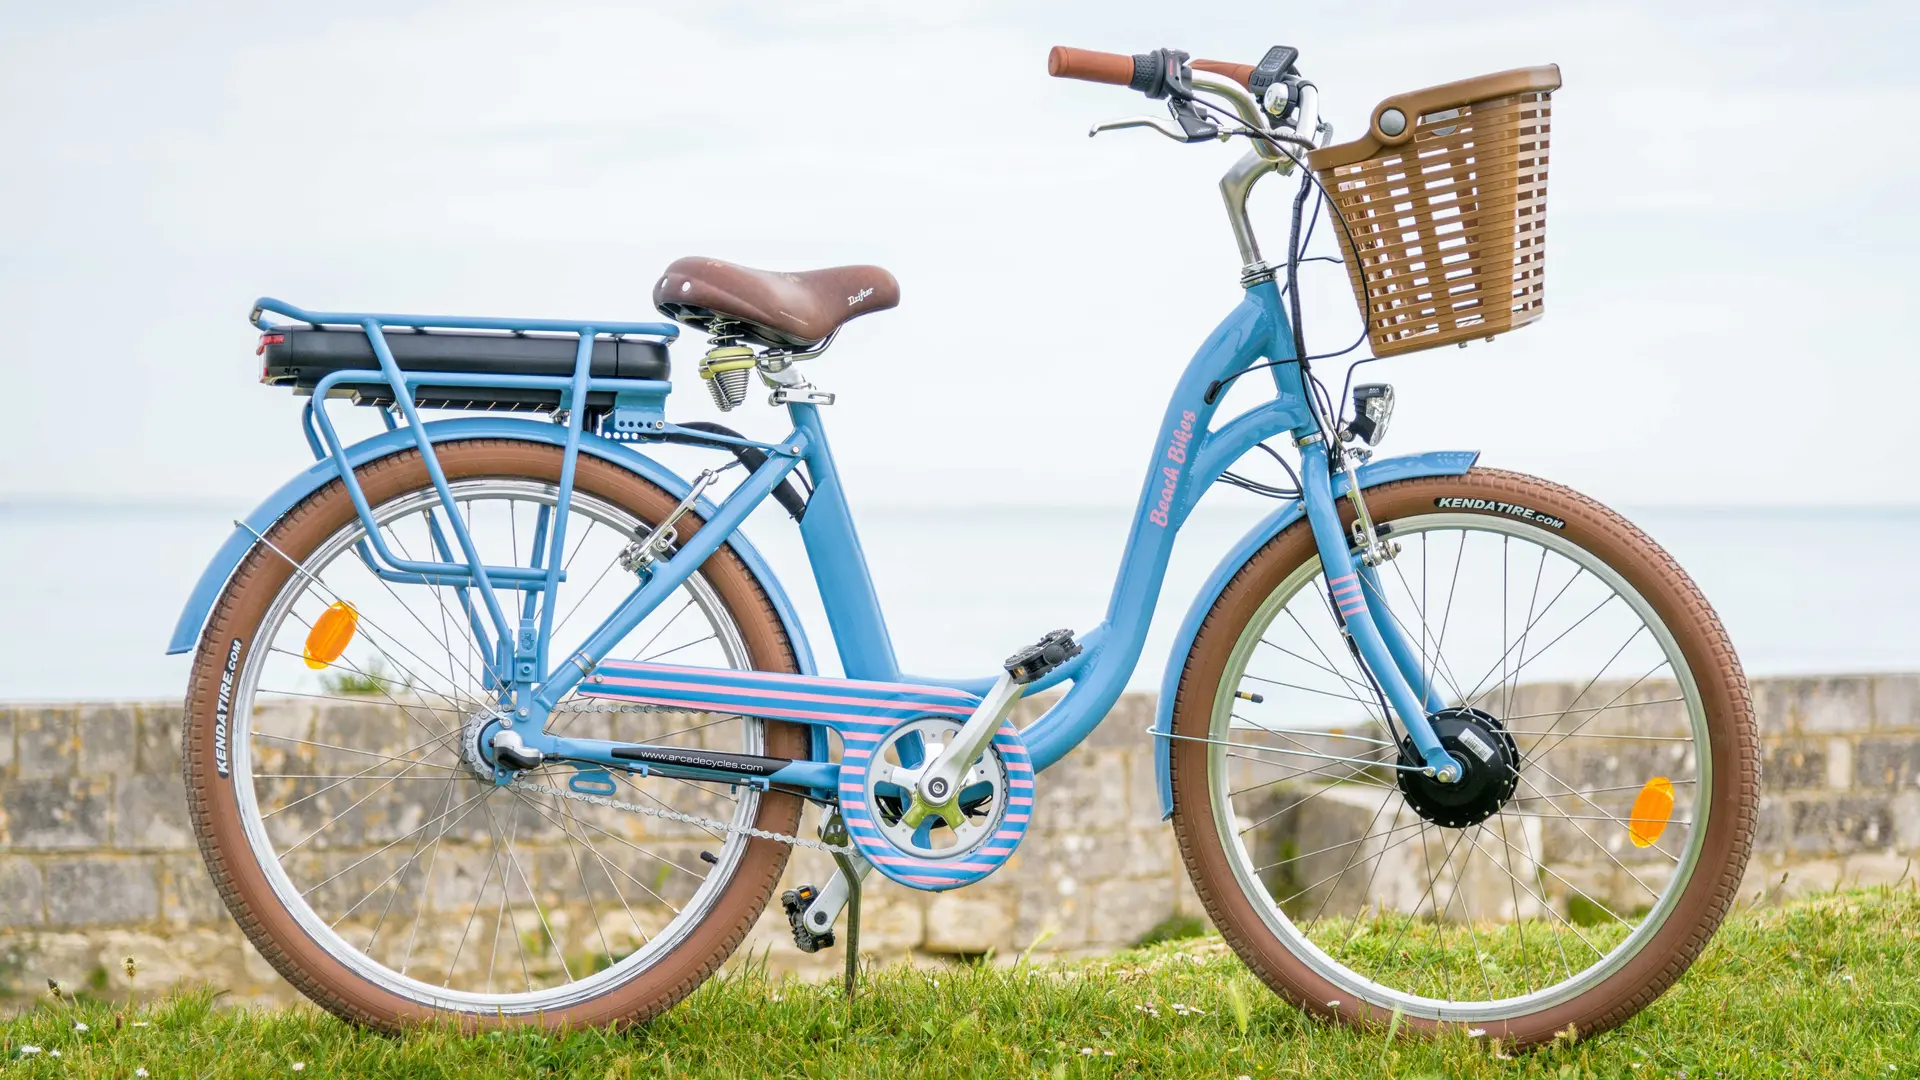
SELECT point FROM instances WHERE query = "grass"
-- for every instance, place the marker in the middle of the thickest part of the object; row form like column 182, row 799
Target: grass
column 1823, row 987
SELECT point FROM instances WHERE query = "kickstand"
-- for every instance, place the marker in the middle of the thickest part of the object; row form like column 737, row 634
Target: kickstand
column 835, row 833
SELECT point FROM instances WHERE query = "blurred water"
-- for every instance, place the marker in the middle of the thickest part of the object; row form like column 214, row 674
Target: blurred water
column 95, row 589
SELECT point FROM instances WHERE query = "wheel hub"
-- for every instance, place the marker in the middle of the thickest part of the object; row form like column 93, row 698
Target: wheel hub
column 475, row 732
column 1491, row 770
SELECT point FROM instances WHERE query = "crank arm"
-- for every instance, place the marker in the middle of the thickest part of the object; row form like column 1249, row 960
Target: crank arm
column 940, row 786
column 825, row 909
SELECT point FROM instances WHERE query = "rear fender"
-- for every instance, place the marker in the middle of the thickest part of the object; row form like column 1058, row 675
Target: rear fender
column 186, row 633
column 1386, row 470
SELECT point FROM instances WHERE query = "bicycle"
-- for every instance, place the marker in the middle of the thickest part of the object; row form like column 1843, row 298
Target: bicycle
column 1441, row 744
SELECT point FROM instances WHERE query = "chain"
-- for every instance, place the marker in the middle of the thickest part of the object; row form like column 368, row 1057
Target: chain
column 675, row 815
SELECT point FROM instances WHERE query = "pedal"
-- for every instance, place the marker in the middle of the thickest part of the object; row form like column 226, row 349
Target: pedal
column 795, row 903
column 1034, row 662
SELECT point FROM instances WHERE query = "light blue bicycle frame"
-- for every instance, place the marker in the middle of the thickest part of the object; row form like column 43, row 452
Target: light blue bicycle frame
column 1190, row 454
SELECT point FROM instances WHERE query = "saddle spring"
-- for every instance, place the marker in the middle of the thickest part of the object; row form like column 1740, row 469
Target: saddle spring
column 727, row 367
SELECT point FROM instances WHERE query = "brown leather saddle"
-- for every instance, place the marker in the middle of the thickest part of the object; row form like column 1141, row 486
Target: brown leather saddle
column 778, row 310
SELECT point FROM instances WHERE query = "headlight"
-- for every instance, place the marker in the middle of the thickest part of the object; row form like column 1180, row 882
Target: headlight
column 1372, row 409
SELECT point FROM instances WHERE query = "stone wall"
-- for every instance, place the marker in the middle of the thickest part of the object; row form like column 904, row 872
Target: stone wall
column 97, row 861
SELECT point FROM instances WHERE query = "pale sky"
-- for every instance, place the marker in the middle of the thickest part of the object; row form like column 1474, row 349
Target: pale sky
column 1730, row 249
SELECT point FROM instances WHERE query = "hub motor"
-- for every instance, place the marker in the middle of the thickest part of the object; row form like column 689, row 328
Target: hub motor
column 1486, row 753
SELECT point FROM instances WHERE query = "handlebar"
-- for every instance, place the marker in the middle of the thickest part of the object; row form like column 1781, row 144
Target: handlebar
column 1089, row 65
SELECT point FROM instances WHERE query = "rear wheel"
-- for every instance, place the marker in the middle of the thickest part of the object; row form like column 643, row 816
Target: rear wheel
column 1581, row 671
column 338, row 807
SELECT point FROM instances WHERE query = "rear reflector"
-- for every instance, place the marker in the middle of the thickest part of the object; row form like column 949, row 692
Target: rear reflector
column 1652, row 809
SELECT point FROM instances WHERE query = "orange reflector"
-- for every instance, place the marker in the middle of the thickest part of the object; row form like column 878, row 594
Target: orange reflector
column 1652, row 809
column 334, row 628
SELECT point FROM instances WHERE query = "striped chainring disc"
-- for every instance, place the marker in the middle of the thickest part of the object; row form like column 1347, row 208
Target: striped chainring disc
column 994, row 804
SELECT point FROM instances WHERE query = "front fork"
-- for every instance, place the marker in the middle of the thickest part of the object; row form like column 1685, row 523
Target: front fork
column 1354, row 590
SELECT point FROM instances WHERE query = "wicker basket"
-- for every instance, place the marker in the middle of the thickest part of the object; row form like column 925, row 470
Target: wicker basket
column 1445, row 199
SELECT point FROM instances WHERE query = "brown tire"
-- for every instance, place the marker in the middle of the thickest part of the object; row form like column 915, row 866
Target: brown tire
column 1619, row 983
column 229, row 640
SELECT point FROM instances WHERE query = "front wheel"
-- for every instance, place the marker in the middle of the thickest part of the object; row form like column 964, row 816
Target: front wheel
column 1577, row 661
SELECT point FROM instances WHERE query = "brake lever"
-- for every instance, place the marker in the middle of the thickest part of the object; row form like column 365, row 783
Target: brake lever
column 1164, row 127
column 1186, row 125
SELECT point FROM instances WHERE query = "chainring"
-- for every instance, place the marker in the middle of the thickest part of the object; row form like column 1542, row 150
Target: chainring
column 981, row 827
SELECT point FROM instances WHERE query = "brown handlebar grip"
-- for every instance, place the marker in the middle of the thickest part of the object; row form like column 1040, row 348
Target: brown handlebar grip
column 1239, row 73
column 1088, row 65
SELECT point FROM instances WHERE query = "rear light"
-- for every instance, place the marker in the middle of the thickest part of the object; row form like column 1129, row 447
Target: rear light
column 266, row 373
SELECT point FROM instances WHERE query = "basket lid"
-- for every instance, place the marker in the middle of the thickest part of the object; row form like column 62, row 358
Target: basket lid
column 1414, row 103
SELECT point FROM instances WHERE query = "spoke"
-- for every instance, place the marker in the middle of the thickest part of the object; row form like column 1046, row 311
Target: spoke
column 1655, row 893
column 350, row 700
column 1482, row 689
column 586, row 889
column 363, row 774
column 1335, row 847
column 1319, row 790
column 1342, row 676
column 401, row 869
column 335, row 776
column 282, row 856
column 1534, row 751
column 650, row 796
column 589, row 591
column 1518, row 924
column 382, row 684
column 446, row 625
column 429, row 823
column 426, row 890
column 373, row 628
column 1432, row 879
column 1372, row 706
column 1588, row 709
column 1453, row 588
column 1300, row 774
column 500, row 915
column 1351, row 855
column 616, row 837
column 1535, row 766
column 1550, row 909
column 678, row 648
column 350, row 750
column 1466, row 905
column 1376, row 855
column 374, row 634
column 696, row 727
column 657, row 633
column 1311, row 690
column 1304, row 748
column 446, row 797
column 1549, row 870
column 1591, row 791
column 605, row 863
column 1311, row 733
column 1525, row 631
column 1438, row 665
column 485, row 876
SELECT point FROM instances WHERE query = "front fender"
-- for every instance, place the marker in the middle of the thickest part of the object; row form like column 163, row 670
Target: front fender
column 1386, row 470
column 186, row 633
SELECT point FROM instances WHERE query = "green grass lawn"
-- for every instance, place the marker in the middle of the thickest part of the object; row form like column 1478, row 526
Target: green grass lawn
column 1825, row 987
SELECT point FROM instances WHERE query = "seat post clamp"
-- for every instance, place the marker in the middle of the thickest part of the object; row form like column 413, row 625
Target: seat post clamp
column 803, row 395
